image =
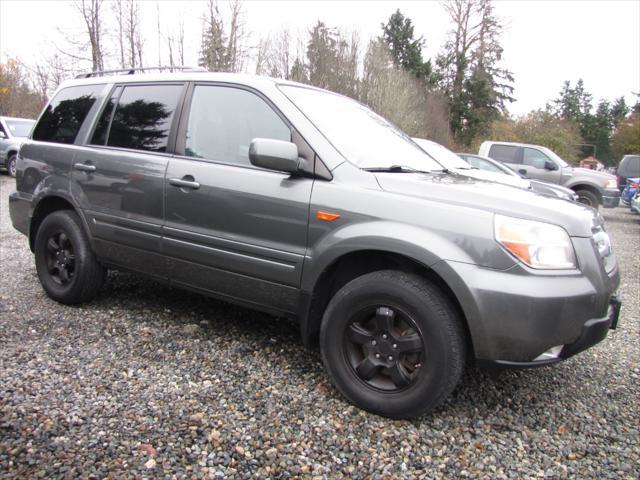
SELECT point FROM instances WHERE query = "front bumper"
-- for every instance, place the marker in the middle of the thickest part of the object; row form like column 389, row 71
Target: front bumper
column 611, row 198
column 593, row 332
column 516, row 315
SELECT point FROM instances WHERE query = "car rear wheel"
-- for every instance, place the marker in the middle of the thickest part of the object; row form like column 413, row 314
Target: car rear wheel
column 392, row 343
column 66, row 266
column 11, row 164
column 588, row 198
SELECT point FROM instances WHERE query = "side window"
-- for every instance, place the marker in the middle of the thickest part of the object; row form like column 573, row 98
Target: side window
column 3, row 130
column 223, row 121
column 534, row 158
column 142, row 119
column 102, row 128
column 64, row 115
column 504, row 153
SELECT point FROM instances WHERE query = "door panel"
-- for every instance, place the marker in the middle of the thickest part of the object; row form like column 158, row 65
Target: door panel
column 120, row 185
column 243, row 221
column 122, row 197
column 533, row 164
column 232, row 229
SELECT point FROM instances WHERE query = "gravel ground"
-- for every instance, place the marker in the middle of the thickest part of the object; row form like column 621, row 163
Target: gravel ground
column 149, row 381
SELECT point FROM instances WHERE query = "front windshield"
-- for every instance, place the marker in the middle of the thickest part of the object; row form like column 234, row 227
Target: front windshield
column 555, row 157
column 360, row 135
column 20, row 128
column 442, row 155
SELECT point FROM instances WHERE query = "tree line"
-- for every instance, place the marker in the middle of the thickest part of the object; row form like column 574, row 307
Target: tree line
column 458, row 98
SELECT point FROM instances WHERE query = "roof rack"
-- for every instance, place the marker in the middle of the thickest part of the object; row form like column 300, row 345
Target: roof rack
column 131, row 71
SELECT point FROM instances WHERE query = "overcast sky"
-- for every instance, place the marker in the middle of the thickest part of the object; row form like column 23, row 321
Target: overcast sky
column 545, row 42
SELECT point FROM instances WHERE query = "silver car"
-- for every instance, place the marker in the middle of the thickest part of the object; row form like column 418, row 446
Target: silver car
column 13, row 132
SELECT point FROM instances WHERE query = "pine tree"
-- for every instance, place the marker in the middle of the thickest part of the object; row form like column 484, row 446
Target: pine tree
column 405, row 50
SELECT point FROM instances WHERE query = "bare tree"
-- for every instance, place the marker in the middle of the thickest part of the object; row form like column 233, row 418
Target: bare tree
column 399, row 96
column 127, row 16
column 91, row 11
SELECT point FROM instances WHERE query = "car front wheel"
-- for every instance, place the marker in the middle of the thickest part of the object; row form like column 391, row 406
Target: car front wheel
column 588, row 198
column 393, row 343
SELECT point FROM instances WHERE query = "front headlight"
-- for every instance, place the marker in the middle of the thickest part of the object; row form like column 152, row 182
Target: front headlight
column 537, row 244
column 611, row 183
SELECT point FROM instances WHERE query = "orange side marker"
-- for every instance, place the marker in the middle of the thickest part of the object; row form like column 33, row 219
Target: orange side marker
column 327, row 216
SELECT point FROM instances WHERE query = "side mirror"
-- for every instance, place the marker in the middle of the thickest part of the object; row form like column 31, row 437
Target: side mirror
column 549, row 165
column 3, row 136
column 274, row 155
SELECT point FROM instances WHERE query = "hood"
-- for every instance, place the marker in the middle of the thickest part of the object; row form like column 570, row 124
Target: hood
column 577, row 219
column 510, row 180
column 599, row 178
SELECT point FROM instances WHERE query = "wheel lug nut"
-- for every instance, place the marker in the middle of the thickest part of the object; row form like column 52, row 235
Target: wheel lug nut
column 377, row 355
column 395, row 345
column 373, row 342
column 384, row 335
column 390, row 357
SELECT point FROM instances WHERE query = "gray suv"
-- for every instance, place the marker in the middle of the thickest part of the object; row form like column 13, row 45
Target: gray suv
column 303, row 203
column 13, row 131
column 539, row 163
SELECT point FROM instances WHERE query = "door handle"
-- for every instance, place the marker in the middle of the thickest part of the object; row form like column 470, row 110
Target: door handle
column 185, row 182
column 85, row 167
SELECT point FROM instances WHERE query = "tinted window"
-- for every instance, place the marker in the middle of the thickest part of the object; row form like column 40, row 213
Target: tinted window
column 504, row 153
column 64, row 115
column 142, row 119
column 534, row 158
column 100, row 133
column 223, row 121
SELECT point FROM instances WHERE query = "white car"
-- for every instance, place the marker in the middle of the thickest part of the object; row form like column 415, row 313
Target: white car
column 13, row 132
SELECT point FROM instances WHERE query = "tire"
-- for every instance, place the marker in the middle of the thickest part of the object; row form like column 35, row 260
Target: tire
column 66, row 265
column 588, row 198
column 11, row 165
column 412, row 327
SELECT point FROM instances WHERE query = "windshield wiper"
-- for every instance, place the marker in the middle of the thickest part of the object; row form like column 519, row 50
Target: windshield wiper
column 396, row 169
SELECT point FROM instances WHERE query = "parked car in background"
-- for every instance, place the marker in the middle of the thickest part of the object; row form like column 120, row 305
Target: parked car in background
column 539, row 163
column 454, row 163
column 629, row 167
column 490, row 165
column 635, row 202
column 13, row 132
column 306, row 204
column 630, row 190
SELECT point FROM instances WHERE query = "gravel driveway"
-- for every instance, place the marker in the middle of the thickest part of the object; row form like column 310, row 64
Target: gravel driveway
column 149, row 381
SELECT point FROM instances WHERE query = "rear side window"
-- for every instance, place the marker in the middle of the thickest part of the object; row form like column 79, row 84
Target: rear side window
column 224, row 120
column 504, row 153
column 64, row 115
column 630, row 167
column 142, row 119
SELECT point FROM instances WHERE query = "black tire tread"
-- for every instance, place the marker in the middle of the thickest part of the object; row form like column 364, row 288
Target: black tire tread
column 92, row 276
column 439, row 301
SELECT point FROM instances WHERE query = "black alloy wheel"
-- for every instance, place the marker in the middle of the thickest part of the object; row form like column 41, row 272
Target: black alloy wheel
column 385, row 348
column 60, row 258
column 393, row 343
column 67, row 267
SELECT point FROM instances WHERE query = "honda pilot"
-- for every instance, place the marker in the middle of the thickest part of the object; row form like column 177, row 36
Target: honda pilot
column 303, row 203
